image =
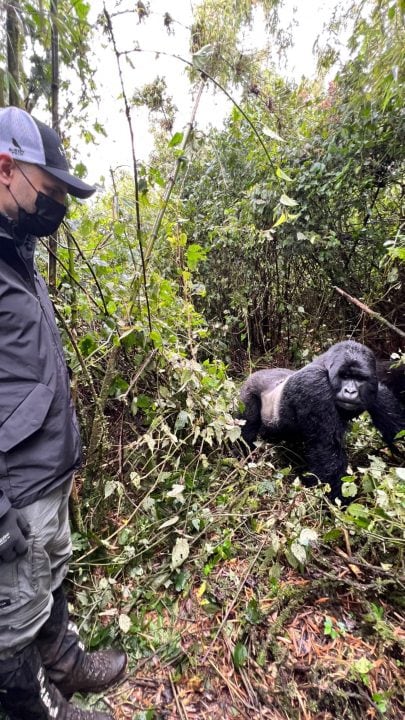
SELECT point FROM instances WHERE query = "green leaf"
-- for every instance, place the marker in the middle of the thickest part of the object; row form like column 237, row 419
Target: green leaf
column 398, row 252
column 87, row 345
column 308, row 537
column 286, row 200
column 271, row 134
column 124, row 622
column 299, row 552
column 332, row 535
column 195, row 254
column 181, row 581
column 168, row 523
column 253, row 614
column 381, row 700
column 236, row 114
column 204, row 54
column 118, row 386
column 176, row 139
column 81, row 9
column 180, row 552
column 183, row 418
column 357, row 511
column 240, row 655
column 282, row 175
column 349, row 489
column 282, row 219
column 328, row 628
column 156, row 338
column 363, row 666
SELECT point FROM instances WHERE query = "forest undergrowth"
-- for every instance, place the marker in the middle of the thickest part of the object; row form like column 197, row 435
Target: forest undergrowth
column 237, row 591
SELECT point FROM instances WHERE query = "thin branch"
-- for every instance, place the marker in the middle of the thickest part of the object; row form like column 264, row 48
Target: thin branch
column 134, row 162
column 369, row 311
column 179, row 705
column 172, row 180
column 138, row 374
column 89, row 265
column 79, row 356
column 72, row 277
column 53, row 239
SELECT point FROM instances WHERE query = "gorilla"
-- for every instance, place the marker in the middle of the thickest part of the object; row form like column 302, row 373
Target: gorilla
column 314, row 405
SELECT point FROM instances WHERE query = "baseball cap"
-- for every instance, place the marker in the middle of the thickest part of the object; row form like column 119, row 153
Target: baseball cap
column 31, row 141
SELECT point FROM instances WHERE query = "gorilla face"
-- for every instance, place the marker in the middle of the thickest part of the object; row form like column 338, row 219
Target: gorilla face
column 352, row 377
column 351, row 389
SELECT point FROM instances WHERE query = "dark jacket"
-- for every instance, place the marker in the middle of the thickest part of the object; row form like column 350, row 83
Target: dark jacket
column 39, row 435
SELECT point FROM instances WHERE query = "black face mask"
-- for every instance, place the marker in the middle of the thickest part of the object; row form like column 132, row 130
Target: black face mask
column 44, row 221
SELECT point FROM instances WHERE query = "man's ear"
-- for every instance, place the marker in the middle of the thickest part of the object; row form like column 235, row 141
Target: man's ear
column 7, row 167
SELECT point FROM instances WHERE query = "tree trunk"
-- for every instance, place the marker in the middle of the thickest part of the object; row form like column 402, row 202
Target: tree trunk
column 53, row 240
column 13, row 45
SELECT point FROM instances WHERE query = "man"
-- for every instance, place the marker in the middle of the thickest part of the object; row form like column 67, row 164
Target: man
column 42, row 662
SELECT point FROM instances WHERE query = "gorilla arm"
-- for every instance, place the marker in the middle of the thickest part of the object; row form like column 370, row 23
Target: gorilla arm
column 319, row 425
column 387, row 414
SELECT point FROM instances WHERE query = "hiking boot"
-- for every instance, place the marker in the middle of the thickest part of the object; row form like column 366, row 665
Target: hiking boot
column 67, row 664
column 27, row 694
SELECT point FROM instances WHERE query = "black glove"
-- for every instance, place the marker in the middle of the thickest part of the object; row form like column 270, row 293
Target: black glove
column 13, row 531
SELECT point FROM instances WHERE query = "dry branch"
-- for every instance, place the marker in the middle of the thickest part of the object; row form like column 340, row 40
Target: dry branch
column 369, row 311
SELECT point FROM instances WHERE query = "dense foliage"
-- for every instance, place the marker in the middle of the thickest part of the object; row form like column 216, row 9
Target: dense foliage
column 282, row 233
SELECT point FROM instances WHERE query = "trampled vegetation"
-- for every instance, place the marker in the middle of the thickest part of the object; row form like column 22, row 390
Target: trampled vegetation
column 237, row 591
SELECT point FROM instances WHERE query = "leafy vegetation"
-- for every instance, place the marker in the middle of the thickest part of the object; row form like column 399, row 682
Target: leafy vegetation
column 237, row 591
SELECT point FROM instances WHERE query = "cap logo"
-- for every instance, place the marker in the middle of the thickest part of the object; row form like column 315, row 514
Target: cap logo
column 17, row 149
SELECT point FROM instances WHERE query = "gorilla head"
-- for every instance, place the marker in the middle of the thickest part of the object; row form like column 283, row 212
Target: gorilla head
column 314, row 405
column 352, row 376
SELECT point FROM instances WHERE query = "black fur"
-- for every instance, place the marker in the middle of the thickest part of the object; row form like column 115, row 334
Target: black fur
column 315, row 404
